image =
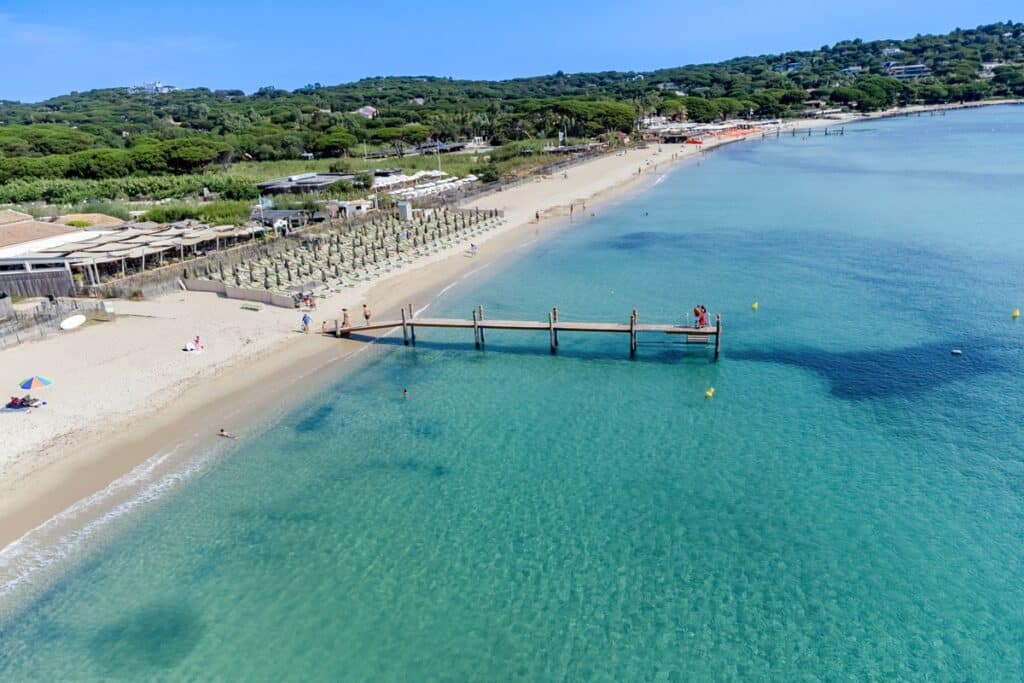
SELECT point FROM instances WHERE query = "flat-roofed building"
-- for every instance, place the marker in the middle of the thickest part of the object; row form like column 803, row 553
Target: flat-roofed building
column 303, row 183
column 908, row 72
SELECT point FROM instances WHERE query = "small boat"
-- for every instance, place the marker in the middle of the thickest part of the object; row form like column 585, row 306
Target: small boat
column 956, row 352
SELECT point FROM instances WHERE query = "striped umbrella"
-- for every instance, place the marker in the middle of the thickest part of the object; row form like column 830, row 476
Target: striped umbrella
column 35, row 382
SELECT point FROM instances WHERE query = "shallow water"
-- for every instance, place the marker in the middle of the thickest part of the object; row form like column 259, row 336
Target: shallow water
column 849, row 504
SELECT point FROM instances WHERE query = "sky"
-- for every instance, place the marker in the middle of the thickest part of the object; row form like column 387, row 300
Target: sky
column 52, row 47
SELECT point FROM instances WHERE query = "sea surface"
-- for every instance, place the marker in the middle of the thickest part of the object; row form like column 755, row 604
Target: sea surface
column 848, row 505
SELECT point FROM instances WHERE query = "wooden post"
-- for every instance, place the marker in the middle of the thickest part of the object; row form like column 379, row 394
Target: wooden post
column 412, row 328
column 480, row 309
column 405, row 329
column 551, row 332
column 476, row 331
column 718, row 334
column 554, row 314
column 632, row 334
column 337, row 328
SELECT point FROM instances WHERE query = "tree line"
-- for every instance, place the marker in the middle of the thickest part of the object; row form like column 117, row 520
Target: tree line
column 118, row 133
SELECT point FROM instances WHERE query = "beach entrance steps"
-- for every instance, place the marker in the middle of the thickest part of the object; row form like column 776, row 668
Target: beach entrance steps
column 479, row 324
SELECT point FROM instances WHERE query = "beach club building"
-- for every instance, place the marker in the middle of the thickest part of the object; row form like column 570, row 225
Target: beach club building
column 66, row 263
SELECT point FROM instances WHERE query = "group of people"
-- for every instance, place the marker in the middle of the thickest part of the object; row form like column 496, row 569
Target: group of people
column 346, row 321
column 26, row 401
column 700, row 316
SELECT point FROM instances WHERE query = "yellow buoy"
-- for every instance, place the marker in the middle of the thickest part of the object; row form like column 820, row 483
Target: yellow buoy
column 709, row 393
column 1016, row 313
column 753, row 306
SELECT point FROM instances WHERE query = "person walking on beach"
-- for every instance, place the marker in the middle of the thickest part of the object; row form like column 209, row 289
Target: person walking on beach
column 345, row 322
column 366, row 314
column 306, row 320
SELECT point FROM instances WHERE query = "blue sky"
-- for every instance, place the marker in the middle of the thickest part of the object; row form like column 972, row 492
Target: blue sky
column 50, row 47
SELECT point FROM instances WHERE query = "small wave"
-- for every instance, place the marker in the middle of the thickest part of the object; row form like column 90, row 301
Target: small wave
column 36, row 551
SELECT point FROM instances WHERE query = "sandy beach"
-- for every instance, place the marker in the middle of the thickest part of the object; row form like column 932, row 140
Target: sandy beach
column 125, row 390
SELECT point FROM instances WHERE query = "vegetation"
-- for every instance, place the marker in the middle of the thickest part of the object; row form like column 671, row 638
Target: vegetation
column 74, row 191
column 214, row 213
column 117, row 143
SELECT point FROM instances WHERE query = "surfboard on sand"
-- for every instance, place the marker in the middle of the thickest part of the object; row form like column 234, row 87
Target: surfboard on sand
column 71, row 323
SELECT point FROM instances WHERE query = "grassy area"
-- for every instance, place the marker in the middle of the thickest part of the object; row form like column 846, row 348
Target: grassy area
column 214, row 213
column 454, row 164
column 176, row 197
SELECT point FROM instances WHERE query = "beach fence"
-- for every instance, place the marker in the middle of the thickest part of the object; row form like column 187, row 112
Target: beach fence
column 240, row 293
column 45, row 318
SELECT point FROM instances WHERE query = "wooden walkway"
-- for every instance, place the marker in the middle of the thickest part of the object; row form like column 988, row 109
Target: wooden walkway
column 479, row 324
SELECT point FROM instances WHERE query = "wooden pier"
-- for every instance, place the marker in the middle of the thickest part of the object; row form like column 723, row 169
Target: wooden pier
column 479, row 324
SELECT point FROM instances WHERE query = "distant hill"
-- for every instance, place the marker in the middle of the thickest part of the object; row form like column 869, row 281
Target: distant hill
column 119, row 132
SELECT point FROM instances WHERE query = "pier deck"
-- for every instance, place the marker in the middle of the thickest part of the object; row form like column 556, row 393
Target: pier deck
column 477, row 323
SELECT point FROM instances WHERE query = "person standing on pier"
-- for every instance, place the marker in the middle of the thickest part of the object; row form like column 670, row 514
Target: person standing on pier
column 345, row 322
column 366, row 314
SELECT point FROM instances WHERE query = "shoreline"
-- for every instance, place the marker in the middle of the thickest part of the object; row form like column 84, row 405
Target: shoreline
column 294, row 364
column 186, row 419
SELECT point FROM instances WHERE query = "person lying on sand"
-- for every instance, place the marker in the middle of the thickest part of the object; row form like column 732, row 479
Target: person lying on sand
column 226, row 434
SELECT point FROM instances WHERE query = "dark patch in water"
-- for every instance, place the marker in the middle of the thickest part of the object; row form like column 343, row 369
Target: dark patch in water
column 410, row 465
column 157, row 636
column 647, row 239
column 315, row 420
column 425, row 429
column 908, row 371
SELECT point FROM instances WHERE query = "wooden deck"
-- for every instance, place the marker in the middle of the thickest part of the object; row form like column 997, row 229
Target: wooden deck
column 477, row 323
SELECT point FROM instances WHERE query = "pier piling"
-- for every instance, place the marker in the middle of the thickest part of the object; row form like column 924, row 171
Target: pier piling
column 412, row 328
column 551, row 332
column 632, row 334
column 718, row 334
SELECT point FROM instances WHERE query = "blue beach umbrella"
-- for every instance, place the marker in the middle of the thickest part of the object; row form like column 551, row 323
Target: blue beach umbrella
column 35, row 382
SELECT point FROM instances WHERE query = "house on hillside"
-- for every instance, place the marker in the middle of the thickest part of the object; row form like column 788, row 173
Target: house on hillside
column 851, row 70
column 367, row 112
column 907, row 72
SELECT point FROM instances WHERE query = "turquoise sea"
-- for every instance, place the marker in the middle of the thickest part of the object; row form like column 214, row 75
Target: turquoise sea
column 849, row 505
